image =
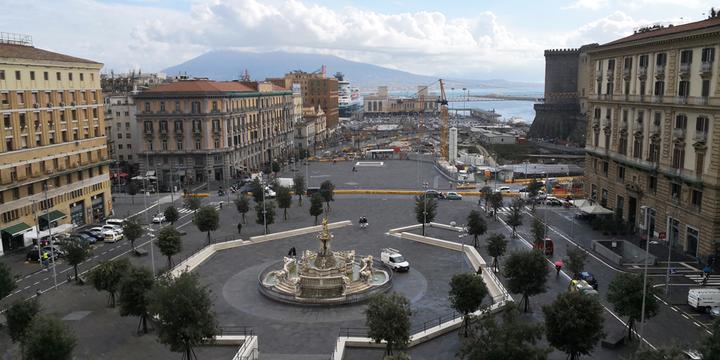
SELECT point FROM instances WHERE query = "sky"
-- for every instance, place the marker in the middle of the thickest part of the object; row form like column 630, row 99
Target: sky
column 471, row 39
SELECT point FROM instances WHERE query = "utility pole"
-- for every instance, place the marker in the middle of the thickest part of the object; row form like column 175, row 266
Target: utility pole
column 645, row 271
column 52, row 241
column 37, row 228
column 145, row 193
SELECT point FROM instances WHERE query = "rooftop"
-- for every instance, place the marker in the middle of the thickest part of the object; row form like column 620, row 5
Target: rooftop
column 201, row 85
column 16, row 51
column 651, row 32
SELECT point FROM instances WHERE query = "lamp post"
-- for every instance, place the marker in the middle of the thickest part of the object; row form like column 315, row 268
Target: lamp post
column 52, row 242
column 37, row 227
column 145, row 194
column 645, row 271
column 262, row 188
column 425, row 186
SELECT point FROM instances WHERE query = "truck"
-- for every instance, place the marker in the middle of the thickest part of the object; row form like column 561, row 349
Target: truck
column 394, row 260
column 703, row 298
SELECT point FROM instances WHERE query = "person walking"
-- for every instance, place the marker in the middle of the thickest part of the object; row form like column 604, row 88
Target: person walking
column 45, row 260
column 558, row 267
column 239, row 227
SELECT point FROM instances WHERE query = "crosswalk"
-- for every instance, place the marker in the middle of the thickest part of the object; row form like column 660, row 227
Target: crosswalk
column 714, row 280
column 185, row 211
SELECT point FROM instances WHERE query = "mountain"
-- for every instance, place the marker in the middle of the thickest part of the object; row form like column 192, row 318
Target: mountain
column 230, row 65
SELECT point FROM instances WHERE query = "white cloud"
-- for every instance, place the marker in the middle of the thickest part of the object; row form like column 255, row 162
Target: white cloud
column 587, row 4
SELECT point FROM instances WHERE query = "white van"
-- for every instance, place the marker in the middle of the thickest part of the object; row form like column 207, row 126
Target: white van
column 701, row 299
column 111, row 236
column 118, row 222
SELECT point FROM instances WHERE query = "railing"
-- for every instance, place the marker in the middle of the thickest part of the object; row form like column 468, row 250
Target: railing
column 705, row 68
column 679, row 133
column 642, row 72
column 659, row 99
column 660, row 71
column 700, row 136
column 684, row 69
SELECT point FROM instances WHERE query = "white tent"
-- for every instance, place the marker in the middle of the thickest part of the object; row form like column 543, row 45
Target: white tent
column 33, row 234
column 582, row 203
column 596, row 210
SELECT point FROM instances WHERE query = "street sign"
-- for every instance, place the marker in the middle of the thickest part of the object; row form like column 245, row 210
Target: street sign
column 662, row 235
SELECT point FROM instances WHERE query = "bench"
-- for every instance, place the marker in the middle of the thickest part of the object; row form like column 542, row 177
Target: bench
column 140, row 252
column 614, row 340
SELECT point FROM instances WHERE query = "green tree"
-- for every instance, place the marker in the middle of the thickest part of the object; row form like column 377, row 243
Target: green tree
column 108, row 275
column 496, row 202
column 316, row 206
column 76, row 251
column 388, row 318
column 7, row 283
column 275, row 167
column 575, row 262
column 672, row 353
column 514, row 219
column 538, row 231
column 132, row 189
column 476, row 226
column 171, row 214
column 256, row 189
column 184, row 312
column 327, row 190
column 19, row 316
column 710, row 345
column 625, row 293
column 467, row 291
column 48, row 339
column 134, row 295
column 192, row 202
column 496, row 247
column 533, row 190
column 169, row 242
column 265, row 215
column 526, row 273
column 132, row 230
column 207, row 220
column 510, row 338
column 284, row 200
column 299, row 187
column 486, row 192
column 574, row 323
column 243, row 206
column 425, row 210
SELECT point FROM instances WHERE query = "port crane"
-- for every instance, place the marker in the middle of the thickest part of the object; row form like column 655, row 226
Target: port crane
column 443, row 122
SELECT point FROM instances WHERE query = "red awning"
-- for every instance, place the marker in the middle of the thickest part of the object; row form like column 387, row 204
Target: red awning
column 123, row 175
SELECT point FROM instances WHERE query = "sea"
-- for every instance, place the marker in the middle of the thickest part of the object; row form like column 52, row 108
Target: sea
column 519, row 111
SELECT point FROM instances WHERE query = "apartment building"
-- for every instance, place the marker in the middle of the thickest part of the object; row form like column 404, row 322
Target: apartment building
column 383, row 103
column 653, row 144
column 195, row 130
column 53, row 156
column 122, row 134
column 317, row 90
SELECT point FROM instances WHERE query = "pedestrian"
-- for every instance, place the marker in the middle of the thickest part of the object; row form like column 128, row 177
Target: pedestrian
column 221, row 205
column 558, row 267
column 239, row 228
column 479, row 270
column 353, row 170
column 45, row 261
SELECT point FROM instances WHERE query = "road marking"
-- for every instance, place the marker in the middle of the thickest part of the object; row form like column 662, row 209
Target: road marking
column 17, row 292
column 689, row 267
column 674, row 309
column 696, row 324
column 104, row 252
column 27, row 287
column 37, row 282
column 685, row 316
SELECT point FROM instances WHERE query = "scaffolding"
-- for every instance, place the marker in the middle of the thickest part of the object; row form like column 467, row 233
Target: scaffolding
column 15, row 39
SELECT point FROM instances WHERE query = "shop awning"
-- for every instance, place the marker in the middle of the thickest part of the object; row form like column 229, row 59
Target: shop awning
column 54, row 215
column 17, row 229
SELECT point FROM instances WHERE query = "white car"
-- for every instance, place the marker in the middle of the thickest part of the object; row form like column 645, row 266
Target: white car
column 269, row 193
column 114, row 228
column 503, row 189
column 111, row 236
column 394, row 260
column 158, row 219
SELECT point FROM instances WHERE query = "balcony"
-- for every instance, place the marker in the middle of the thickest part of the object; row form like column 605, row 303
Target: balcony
column 610, row 74
column 626, row 73
column 654, row 129
column 684, row 70
column 163, row 130
column 700, row 137
column 678, row 133
column 642, row 73
column 148, row 131
column 658, row 99
column 706, row 69
column 660, row 72
column 682, row 100
column 623, row 125
column 179, row 131
column 599, row 75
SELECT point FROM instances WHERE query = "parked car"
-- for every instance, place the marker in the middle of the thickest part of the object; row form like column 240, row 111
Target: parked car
column 54, row 249
column 553, row 201
column 87, row 236
column 590, row 278
column 158, row 219
column 394, row 260
column 434, row 194
column 503, row 189
column 714, row 312
column 33, row 256
column 96, row 230
column 312, row 191
column 114, row 228
column 112, row 237
column 703, row 298
column 453, row 196
column 118, row 222
column 269, row 193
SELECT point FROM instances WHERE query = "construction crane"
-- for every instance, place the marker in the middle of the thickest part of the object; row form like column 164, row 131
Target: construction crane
column 443, row 122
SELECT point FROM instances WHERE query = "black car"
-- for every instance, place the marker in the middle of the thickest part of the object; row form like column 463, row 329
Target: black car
column 434, row 194
column 90, row 236
column 590, row 278
column 34, row 256
column 312, row 191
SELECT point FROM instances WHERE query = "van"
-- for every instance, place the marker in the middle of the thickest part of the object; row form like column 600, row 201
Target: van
column 701, row 299
column 111, row 236
column 118, row 222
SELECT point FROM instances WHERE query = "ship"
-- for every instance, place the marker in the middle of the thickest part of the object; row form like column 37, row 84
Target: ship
column 348, row 98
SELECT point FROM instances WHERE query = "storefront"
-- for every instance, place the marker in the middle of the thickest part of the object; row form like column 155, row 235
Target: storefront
column 51, row 218
column 12, row 236
column 77, row 213
column 98, row 208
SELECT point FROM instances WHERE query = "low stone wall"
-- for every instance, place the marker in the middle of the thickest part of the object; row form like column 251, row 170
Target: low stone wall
column 627, row 253
column 297, row 232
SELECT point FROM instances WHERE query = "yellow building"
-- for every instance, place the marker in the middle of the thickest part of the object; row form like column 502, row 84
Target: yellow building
column 53, row 154
column 653, row 150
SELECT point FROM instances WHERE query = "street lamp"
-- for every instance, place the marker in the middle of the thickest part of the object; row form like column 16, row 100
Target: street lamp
column 52, row 242
column 645, row 271
column 425, row 186
column 262, row 189
column 145, row 195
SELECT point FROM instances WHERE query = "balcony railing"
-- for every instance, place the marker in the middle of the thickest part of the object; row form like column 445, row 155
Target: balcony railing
column 642, row 72
column 654, row 129
column 659, row 99
column 679, row 133
column 682, row 100
column 700, row 136
column 660, row 72
column 626, row 73
column 684, row 69
column 706, row 68
column 610, row 74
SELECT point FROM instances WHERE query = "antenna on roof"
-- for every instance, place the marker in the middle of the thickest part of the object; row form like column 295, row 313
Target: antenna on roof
column 245, row 76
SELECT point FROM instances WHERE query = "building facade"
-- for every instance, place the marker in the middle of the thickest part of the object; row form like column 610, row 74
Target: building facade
column 198, row 130
column 382, row 103
column 122, row 131
column 317, row 90
column 653, row 150
column 53, row 157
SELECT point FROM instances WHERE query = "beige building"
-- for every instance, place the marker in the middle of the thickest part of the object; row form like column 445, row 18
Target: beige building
column 194, row 130
column 122, row 132
column 53, row 154
column 382, row 103
column 317, row 90
column 653, row 135
column 311, row 131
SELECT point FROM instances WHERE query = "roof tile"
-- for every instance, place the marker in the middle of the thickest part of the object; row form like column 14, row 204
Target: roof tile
column 14, row 51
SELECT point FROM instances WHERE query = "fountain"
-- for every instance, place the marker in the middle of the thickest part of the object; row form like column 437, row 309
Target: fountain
column 324, row 277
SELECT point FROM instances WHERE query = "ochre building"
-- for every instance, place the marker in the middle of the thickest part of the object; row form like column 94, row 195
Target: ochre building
column 53, row 153
column 653, row 135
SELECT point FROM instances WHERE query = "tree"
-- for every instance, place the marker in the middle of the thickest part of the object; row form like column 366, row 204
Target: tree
column 275, row 167
column 256, row 189
column 132, row 189
column 19, row 317
column 171, row 214
column 425, row 210
column 538, row 231
column 625, row 294
column 108, row 275
column 243, row 206
column 48, row 339
column 496, row 202
column 169, row 242
column 486, row 192
column 576, row 261
column 132, row 230
column 184, row 312
column 476, row 226
column 7, row 283
column 76, row 251
column 299, row 187
column 266, row 214
column 672, row 353
column 514, row 219
column 496, row 247
column 388, row 319
column 192, row 202
column 526, row 273
column 207, row 220
column 327, row 190
column 508, row 339
column 284, row 199
column 574, row 323
column 533, row 190
column 134, row 291
column 467, row 292
column 316, row 207
column 710, row 346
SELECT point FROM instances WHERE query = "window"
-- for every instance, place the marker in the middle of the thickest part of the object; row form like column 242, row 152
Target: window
column 659, row 88
column 162, row 106
column 17, row 75
column 127, row 135
column 621, row 172
column 654, row 155
column 150, row 145
column 179, row 145
column 708, row 55
column 702, row 124
column 686, row 57
column 638, row 147
column 164, row 145
column 82, row 77
column 147, row 106
column 675, row 189
column 661, row 59
column 611, row 64
column 120, row 146
column 129, row 146
column 70, row 76
column 696, row 198
column 604, row 197
column 642, row 88
column 652, row 183
column 684, row 88
column 163, row 126
column 32, row 75
column 622, row 145
column 678, row 157
column 217, row 143
column 148, row 126
column 705, row 91
column 2, row 74
column 46, row 76
column 609, row 88
column 178, row 125
column 177, row 106
column 699, row 163
column 58, row 76
column 628, row 63
column 643, row 61
column 196, row 107
column 606, row 166
column 198, row 146
column 681, row 121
